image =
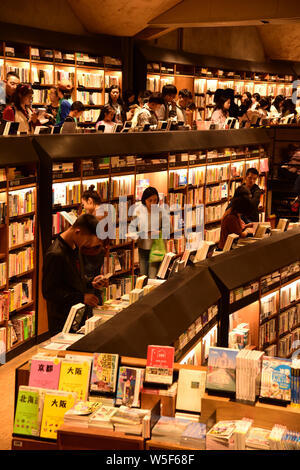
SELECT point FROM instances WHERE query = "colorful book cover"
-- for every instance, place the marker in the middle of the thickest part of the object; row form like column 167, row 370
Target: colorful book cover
column 56, row 404
column 44, row 373
column 75, row 377
column 221, row 370
column 129, row 386
column 160, row 363
column 27, row 413
column 104, row 373
column 276, row 378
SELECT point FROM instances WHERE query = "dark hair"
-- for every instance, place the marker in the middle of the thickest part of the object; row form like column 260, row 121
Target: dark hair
column 169, row 90
column 229, row 93
column 221, row 101
column 12, row 74
column 254, row 171
column 247, row 105
column 263, row 102
column 242, row 191
column 127, row 94
column 279, row 99
column 77, row 106
column 218, row 93
column 104, row 111
column 256, row 96
column 156, row 98
column 288, row 107
column 119, row 100
column 148, row 192
column 22, row 90
column 87, row 222
column 241, row 205
column 144, row 95
column 91, row 193
column 185, row 93
column 248, row 94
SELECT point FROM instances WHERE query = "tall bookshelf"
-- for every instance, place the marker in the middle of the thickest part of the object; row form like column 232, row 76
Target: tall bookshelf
column 204, row 81
column 18, row 246
column 90, row 75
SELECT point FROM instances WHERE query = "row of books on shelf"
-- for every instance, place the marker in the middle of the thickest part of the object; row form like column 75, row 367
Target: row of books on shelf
column 120, row 260
column 217, row 173
column 267, row 333
column 90, row 98
column 89, row 115
column 3, row 274
column 287, row 344
column 21, row 261
column 289, row 294
column 40, row 96
column 66, row 193
column 20, row 329
column 21, row 202
column 216, row 193
column 20, row 294
column 90, row 80
column 21, row 232
column 212, row 235
column 2, row 174
column 215, row 213
column 22, row 72
column 244, row 291
column 290, row 270
column 4, row 306
column 289, row 319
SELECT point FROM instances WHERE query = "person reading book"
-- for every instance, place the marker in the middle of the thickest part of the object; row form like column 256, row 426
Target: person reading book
column 147, row 114
column 221, row 111
column 76, row 111
column 20, row 109
column 232, row 222
column 108, row 120
column 250, row 183
column 64, row 91
column 63, row 282
column 142, row 221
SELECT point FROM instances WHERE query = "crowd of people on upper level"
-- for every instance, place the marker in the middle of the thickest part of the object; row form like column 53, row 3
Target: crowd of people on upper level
column 146, row 108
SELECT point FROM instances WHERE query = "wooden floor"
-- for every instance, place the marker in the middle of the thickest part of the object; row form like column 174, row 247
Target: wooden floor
column 7, row 392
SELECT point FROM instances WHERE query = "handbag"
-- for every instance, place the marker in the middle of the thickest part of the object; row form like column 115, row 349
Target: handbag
column 157, row 251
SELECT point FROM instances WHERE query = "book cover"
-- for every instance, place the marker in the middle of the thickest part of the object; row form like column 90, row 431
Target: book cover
column 56, row 404
column 104, row 373
column 160, row 363
column 129, row 386
column 44, row 373
column 276, row 378
column 102, row 417
column 74, row 377
column 191, row 388
column 221, row 369
column 27, row 413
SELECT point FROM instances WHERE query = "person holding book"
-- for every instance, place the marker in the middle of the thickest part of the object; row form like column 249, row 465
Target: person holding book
column 76, row 111
column 168, row 108
column 221, row 111
column 108, row 121
column 63, row 282
column 232, row 221
column 20, row 109
column 64, row 91
column 52, row 108
column 276, row 107
column 141, row 228
column 147, row 114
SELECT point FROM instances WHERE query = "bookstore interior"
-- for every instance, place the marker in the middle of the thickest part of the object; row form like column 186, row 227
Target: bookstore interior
column 150, row 249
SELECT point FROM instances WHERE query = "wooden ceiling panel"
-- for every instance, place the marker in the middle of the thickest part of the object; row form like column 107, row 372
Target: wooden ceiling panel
column 281, row 42
column 118, row 17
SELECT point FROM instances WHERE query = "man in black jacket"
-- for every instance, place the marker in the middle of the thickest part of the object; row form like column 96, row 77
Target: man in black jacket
column 250, row 183
column 63, row 283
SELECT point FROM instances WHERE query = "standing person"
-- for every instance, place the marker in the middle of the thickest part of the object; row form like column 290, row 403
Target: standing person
column 64, row 91
column 108, row 119
column 255, row 101
column 130, row 104
column 184, row 99
column 142, row 221
column 221, row 111
column 250, row 183
column 168, row 108
column 233, row 109
column 245, row 103
column 63, row 283
column 147, row 115
column 115, row 101
column 20, row 109
column 232, row 222
column 52, row 108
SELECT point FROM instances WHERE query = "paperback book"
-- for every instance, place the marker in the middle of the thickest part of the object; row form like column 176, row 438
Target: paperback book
column 221, row 370
column 191, row 388
column 129, row 386
column 56, row 404
column 160, row 363
column 27, row 413
column 104, row 373
column 81, row 412
column 44, row 372
column 276, row 379
column 75, row 377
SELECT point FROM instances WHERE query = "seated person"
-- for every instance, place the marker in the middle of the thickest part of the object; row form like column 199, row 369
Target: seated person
column 147, row 114
column 108, row 119
column 76, row 112
column 232, row 222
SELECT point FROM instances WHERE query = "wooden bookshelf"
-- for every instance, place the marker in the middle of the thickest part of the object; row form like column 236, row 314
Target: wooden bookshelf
column 11, row 164
column 44, row 73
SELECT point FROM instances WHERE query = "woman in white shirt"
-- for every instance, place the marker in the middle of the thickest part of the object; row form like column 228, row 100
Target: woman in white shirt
column 221, row 111
column 276, row 108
